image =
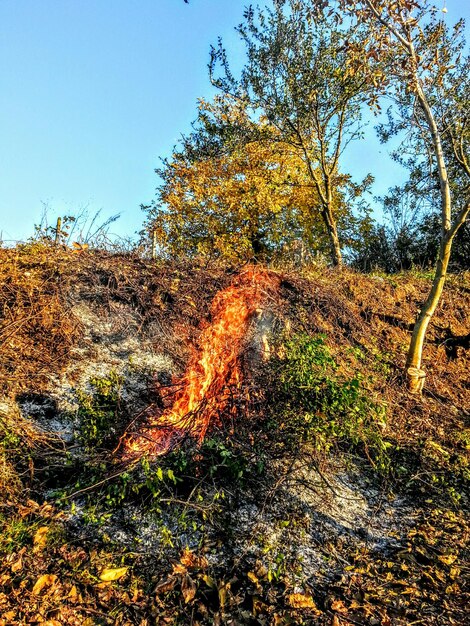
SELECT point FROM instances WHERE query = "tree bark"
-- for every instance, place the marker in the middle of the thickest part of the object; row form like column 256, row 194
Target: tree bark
column 332, row 231
column 415, row 375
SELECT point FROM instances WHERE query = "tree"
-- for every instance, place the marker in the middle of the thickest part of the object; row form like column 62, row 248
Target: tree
column 428, row 77
column 310, row 86
column 226, row 199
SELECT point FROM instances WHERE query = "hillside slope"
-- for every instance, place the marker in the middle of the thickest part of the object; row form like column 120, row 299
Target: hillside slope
column 323, row 492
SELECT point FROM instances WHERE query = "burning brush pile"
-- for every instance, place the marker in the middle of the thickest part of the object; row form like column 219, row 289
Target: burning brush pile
column 212, row 384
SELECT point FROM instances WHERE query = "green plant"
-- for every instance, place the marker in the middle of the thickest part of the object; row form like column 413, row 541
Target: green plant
column 16, row 532
column 18, row 439
column 318, row 405
column 97, row 411
column 222, row 459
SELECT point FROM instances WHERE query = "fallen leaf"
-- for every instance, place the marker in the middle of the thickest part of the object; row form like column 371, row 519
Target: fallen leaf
column 73, row 594
column 9, row 615
column 113, row 574
column 46, row 580
column 40, row 538
column 302, row 601
column 223, row 589
column 338, row 606
column 105, row 584
column 255, row 580
column 193, row 561
column 17, row 566
column 178, row 568
column 210, row 582
column 46, row 510
column 79, row 246
column 355, row 605
column 448, row 559
column 259, row 606
column 260, row 570
column 166, row 585
column 188, row 588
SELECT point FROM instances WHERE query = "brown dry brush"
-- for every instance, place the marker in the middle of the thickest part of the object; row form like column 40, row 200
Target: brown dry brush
column 38, row 285
column 37, row 333
column 20, row 441
column 37, row 330
column 170, row 297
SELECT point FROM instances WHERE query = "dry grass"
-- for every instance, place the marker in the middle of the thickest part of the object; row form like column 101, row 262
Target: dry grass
column 37, row 330
column 367, row 321
column 19, row 437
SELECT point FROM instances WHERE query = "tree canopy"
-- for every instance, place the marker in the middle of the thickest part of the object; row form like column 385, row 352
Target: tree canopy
column 302, row 77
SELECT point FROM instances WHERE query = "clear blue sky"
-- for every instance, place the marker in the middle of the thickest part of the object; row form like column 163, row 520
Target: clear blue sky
column 93, row 92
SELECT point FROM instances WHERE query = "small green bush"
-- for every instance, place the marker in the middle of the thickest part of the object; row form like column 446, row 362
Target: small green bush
column 98, row 410
column 314, row 403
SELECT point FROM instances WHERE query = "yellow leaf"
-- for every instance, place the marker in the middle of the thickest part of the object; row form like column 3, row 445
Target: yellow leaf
column 46, row 580
column 210, row 582
column 302, row 601
column 223, row 590
column 40, row 538
column 103, row 585
column 73, row 594
column 338, row 606
column 252, row 576
column 113, row 574
column 188, row 588
column 448, row 559
column 9, row 615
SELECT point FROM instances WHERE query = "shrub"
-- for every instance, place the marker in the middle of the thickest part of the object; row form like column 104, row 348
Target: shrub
column 98, row 410
column 314, row 403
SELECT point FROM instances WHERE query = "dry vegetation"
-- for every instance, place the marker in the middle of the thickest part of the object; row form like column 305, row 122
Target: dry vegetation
column 58, row 568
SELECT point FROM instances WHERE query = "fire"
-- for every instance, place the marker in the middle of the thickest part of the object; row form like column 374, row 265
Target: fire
column 213, row 372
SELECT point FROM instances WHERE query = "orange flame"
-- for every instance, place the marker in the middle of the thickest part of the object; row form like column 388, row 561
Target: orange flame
column 213, row 372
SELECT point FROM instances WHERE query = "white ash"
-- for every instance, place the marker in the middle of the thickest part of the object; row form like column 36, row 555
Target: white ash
column 111, row 342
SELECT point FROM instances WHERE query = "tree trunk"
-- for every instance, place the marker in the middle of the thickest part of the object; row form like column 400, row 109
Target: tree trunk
column 415, row 375
column 332, row 231
column 154, row 244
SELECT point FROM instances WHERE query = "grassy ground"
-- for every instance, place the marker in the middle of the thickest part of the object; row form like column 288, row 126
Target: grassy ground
column 326, row 495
